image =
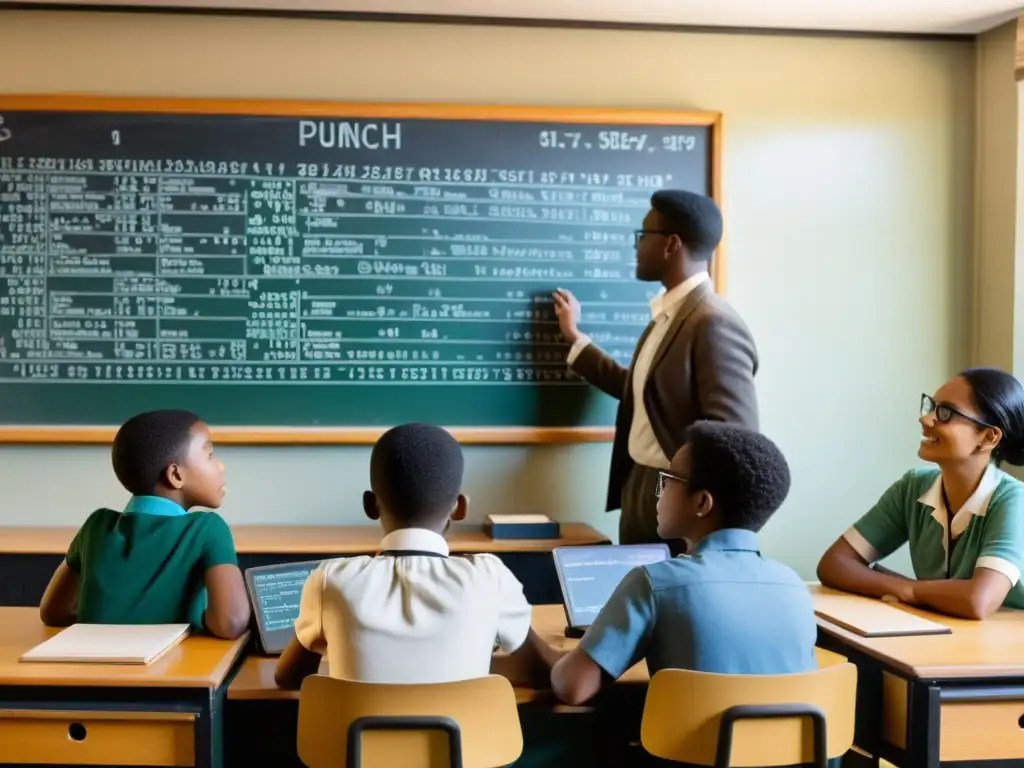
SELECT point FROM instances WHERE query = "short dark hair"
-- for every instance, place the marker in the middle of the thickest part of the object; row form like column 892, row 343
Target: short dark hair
column 147, row 444
column 694, row 218
column 745, row 472
column 999, row 398
column 416, row 472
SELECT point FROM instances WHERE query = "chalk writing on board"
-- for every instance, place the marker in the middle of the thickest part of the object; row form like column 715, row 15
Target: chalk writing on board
column 243, row 265
column 264, row 273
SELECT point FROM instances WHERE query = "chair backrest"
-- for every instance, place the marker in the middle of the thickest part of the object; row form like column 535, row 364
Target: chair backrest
column 769, row 716
column 484, row 711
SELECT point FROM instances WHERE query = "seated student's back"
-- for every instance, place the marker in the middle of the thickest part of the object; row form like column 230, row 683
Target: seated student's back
column 414, row 613
column 724, row 608
column 413, row 618
column 153, row 562
column 728, row 610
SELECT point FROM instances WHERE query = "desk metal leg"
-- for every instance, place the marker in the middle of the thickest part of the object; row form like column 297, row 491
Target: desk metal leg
column 922, row 725
column 209, row 731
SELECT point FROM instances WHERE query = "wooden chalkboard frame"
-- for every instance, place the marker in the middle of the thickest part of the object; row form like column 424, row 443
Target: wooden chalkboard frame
column 286, row 108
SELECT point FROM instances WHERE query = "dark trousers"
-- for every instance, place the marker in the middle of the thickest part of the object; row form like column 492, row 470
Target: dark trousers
column 638, row 522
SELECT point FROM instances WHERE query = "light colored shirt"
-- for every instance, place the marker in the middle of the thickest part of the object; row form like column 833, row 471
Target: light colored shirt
column 643, row 444
column 415, row 616
column 986, row 532
column 723, row 609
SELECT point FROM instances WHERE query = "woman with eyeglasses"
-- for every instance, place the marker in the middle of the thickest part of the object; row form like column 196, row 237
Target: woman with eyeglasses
column 963, row 519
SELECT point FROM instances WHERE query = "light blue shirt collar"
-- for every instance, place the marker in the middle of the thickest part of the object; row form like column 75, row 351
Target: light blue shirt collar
column 153, row 505
column 729, row 538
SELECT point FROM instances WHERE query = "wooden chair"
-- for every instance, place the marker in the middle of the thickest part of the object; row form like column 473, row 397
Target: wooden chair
column 752, row 720
column 468, row 724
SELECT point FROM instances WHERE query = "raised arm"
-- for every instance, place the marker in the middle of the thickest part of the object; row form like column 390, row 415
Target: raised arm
column 725, row 363
column 599, row 369
column 585, row 358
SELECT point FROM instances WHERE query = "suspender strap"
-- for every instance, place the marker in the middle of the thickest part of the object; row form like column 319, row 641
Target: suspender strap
column 409, row 553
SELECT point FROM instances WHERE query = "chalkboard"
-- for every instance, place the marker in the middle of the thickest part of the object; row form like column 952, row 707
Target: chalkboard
column 316, row 272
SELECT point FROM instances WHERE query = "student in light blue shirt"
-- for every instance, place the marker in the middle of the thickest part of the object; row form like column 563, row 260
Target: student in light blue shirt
column 724, row 608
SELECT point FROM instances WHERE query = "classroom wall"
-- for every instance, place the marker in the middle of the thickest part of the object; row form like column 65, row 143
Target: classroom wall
column 1018, row 243
column 996, row 274
column 848, row 178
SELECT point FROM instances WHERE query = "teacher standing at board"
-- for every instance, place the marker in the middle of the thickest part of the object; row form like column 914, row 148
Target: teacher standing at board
column 695, row 361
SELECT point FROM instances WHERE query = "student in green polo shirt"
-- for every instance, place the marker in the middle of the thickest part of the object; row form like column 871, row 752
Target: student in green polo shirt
column 964, row 520
column 154, row 563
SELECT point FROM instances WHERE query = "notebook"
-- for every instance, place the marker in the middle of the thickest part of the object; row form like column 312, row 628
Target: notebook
column 873, row 618
column 109, row 643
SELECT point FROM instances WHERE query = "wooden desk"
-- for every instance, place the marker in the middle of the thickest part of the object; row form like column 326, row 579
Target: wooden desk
column 28, row 556
column 255, row 678
column 165, row 713
column 320, row 540
column 931, row 699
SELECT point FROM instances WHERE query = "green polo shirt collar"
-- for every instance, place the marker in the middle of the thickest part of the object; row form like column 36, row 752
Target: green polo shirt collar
column 153, row 505
column 975, row 506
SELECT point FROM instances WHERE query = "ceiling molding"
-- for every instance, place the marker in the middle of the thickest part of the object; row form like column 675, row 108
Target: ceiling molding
column 930, row 19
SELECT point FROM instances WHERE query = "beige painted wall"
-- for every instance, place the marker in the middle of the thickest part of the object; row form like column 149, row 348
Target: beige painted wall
column 848, row 175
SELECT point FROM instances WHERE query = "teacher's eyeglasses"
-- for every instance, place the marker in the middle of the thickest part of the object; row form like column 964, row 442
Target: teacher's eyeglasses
column 943, row 413
column 638, row 234
column 664, row 477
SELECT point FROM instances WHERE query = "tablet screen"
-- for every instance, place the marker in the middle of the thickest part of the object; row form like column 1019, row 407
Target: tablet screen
column 275, row 591
column 589, row 575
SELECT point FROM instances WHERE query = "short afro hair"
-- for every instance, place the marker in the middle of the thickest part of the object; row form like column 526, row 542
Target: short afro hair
column 147, row 444
column 745, row 472
column 416, row 472
column 694, row 219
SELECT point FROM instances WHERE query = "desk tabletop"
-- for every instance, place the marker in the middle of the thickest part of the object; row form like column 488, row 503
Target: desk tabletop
column 255, row 678
column 196, row 662
column 993, row 647
column 315, row 539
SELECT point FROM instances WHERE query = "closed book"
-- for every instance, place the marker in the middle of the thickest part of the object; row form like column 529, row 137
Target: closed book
column 108, row 644
column 521, row 527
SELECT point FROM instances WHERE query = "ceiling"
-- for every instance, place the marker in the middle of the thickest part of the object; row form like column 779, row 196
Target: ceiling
column 880, row 16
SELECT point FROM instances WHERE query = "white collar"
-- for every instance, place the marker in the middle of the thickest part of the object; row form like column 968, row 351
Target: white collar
column 416, row 540
column 667, row 301
column 976, row 505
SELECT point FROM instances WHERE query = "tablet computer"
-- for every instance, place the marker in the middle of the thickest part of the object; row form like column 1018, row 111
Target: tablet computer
column 589, row 575
column 274, row 593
